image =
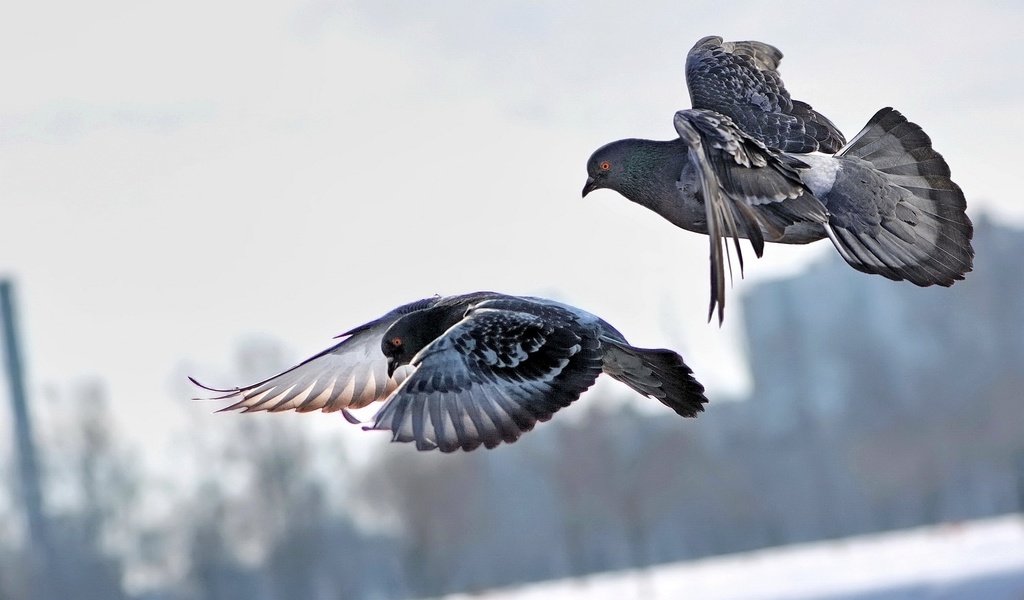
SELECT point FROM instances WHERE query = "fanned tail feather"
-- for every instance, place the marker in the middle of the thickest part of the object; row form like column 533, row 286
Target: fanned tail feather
column 926, row 238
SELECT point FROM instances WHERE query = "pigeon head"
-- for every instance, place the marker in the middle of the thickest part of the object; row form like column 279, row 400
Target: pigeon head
column 412, row 332
column 607, row 166
column 638, row 169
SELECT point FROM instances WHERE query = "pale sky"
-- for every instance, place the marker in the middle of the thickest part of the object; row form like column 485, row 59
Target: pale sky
column 178, row 176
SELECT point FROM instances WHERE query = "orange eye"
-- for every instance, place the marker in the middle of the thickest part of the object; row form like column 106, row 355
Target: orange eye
column 605, row 165
column 396, row 342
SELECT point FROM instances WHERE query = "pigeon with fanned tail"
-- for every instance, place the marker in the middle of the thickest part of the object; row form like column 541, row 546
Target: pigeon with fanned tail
column 750, row 162
column 475, row 369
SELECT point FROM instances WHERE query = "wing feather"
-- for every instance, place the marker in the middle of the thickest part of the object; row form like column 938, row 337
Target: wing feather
column 741, row 80
column 746, row 188
column 350, row 374
column 490, row 378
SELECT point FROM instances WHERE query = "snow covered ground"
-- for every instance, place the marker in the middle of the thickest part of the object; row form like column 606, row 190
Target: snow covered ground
column 979, row 559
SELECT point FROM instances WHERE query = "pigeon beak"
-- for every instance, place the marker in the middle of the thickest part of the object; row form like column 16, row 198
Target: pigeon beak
column 590, row 186
column 391, row 366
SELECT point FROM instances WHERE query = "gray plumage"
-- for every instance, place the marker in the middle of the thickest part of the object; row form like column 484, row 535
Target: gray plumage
column 893, row 208
column 748, row 190
column 741, row 81
column 885, row 200
column 470, row 370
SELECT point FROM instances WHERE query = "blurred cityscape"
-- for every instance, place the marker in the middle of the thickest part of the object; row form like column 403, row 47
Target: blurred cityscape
column 876, row 406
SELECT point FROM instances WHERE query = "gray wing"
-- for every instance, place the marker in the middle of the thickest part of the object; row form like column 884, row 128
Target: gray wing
column 351, row 374
column 489, row 379
column 741, row 81
column 746, row 189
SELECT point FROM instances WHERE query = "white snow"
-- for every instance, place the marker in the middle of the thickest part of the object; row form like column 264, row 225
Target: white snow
column 937, row 556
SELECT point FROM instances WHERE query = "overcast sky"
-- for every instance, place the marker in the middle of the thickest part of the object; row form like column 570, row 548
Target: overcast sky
column 178, row 176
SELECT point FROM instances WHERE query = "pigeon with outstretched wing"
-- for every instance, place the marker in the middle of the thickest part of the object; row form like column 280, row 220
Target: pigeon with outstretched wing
column 470, row 370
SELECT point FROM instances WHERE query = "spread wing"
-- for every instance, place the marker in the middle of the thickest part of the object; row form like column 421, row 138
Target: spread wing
column 746, row 189
column 489, row 379
column 351, row 374
column 741, row 81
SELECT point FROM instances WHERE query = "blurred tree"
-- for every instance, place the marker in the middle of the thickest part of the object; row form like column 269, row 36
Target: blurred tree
column 214, row 571
column 441, row 504
column 92, row 479
column 269, row 519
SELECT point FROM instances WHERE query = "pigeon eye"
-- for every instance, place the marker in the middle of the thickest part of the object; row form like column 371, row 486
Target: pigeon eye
column 605, row 165
column 396, row 342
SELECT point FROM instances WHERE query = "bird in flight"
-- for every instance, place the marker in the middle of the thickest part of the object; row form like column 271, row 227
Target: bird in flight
column 751, row 162
column 469, row 370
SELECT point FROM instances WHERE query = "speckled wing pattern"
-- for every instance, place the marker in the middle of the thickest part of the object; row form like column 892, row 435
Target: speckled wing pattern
column 741, row 81
column 351, row 374
column 490, row 378
column 745, row 188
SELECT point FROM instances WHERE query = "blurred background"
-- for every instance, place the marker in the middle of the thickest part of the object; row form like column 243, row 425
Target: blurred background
column 216, row 189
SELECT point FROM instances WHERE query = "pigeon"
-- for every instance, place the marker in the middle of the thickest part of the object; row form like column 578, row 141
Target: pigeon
column 750, row 162
column 469, row 370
